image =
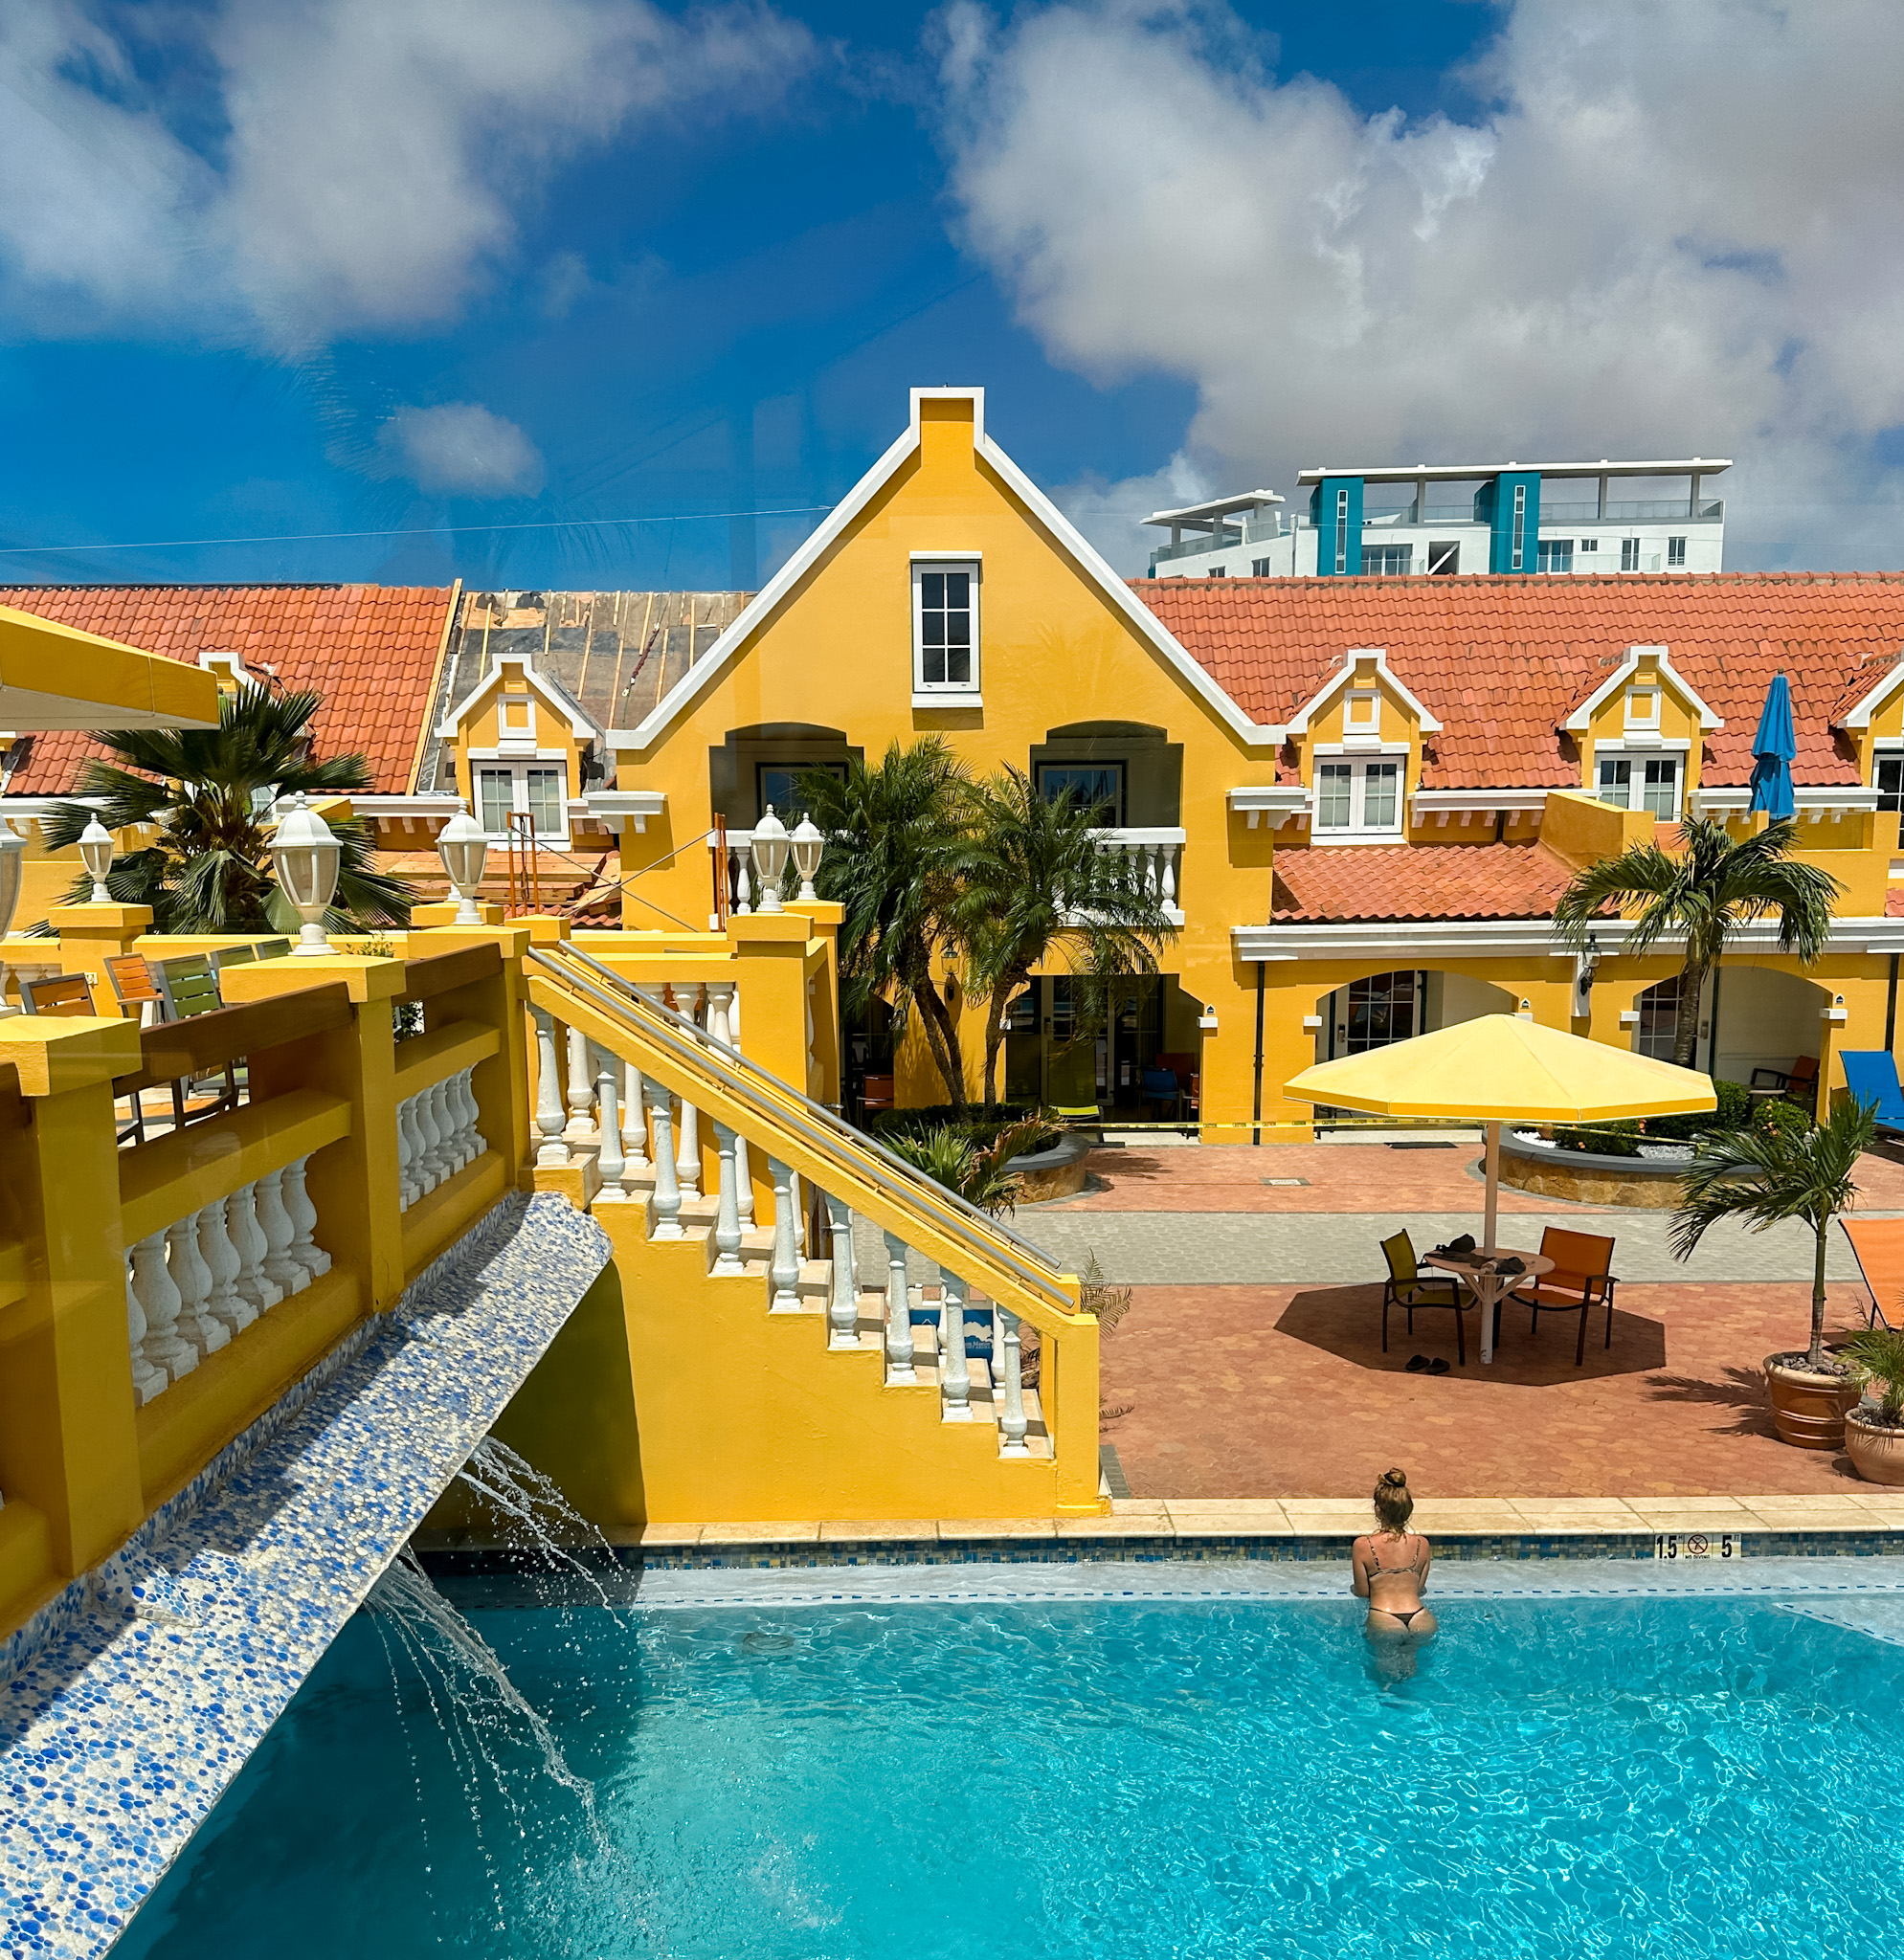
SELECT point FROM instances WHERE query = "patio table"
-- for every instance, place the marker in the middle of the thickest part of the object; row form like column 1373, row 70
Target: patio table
column 1490, row 1287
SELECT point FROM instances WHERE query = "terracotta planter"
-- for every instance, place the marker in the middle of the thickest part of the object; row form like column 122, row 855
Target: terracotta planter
column 1876, row 1449
column 1807, row 1409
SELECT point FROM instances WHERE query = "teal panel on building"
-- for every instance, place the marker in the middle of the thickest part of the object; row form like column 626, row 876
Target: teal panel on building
column 1336, row 510
column 1509, row 505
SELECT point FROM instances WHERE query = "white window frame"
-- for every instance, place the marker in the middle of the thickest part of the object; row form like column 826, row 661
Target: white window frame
column 1676, row 554
column 1638, row 723
column 1358, row 828
column 935, row 694
column 1643, row 759
column 518, row 767
column 1630, row 554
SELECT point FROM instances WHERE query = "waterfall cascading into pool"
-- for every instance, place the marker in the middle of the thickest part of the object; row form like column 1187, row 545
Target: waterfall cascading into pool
column 530, row 1507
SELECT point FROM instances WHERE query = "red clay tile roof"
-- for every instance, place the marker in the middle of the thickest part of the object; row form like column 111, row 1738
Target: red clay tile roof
column 1893, row 902
column 1369, row 881
column 370, row 651
column 1500, row 662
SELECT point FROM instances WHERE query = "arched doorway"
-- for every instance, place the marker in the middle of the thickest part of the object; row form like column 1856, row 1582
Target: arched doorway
column 1751, row 1018
column 1378, row 1008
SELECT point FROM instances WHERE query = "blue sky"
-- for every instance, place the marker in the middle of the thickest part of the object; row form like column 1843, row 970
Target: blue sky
column 484, row 280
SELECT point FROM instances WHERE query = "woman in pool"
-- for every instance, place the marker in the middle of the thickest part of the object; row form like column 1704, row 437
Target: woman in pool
column 1392, row 1566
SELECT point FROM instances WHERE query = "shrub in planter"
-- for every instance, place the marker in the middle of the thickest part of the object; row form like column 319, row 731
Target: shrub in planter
column 1601, row 1140
column 1785, row 1118
column 892, row 1127
column 1874, row 1429
column 1734, row 1112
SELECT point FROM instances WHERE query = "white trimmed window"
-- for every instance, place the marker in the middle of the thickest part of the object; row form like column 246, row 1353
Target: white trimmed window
column 945, row 627
column 1352, row 797
column 1630, row 783
column 1643, row 710
column 532, row 788
column 1361, row 713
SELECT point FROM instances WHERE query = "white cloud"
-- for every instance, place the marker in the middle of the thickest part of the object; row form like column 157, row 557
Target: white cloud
column 459, row 448
column 1110, row 514
column 1675, row 234
column 377, row 158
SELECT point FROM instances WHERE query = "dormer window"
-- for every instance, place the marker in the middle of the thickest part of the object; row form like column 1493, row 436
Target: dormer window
column 945, row 630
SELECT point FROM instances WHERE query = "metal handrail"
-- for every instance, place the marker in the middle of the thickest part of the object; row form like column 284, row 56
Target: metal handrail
column 829, row 1133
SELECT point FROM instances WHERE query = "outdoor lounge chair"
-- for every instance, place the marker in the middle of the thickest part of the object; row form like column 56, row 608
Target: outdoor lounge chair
column 1879, row 1246
column 1797, row 1084
column 63, row 993
column 189, row 986
column 1582, row 1276
column 1870, row 1074
column 1406, row 1288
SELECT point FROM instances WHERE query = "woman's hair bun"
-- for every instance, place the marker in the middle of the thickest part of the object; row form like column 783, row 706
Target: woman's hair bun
column 1396, row 1479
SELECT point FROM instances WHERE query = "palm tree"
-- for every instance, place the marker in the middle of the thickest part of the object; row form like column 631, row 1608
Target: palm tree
column 1764, row 1175
column 207, row 792
column 1036, row 884
column 1715, row 885
column 894, row 833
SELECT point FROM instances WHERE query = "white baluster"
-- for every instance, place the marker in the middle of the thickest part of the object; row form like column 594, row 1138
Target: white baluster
column 898, row 1313
column 427, row 1166
column 148, row 1380
column 443, row 1107
column 472, row 1114
column 581, row 1128
column 192, row 1277
column 667, row 1192
column 1012, row 1425
column 247, row 1235
column 726, row 1209
column 275, row 1222
column 723, row 1024
column 224, row 1303
column 634, row 1122
column 548, row 1115
column 407, row 1150
column 955, row 1374
column 163, row 1347
column 742, row 889
column 608, row 1100
column 785, row 1272
column 1169, row 856
column 688, row 1158
column 302, row 1213
column 843, row 1306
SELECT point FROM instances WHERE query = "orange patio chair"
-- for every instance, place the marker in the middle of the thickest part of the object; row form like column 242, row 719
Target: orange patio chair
column 1878, row 1244
column 63, row 993
column 1582, row 1276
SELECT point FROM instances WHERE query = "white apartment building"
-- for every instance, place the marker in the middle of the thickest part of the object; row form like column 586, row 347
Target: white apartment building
column 1454, row 519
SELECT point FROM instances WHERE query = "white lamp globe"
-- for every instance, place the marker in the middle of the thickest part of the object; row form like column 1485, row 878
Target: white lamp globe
column 809, row 840
column 770, row 844
column 464, row 851
column 95, row 854
column 305, row 857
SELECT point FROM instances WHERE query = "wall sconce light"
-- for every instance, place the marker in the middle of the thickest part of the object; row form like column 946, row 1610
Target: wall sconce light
column 305, row 857
column 96, row 852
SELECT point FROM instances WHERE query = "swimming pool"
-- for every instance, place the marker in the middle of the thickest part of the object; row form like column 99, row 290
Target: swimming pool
column 1070, row 1776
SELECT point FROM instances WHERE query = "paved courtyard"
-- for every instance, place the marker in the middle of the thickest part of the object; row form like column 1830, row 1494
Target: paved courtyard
column 1250, row 1364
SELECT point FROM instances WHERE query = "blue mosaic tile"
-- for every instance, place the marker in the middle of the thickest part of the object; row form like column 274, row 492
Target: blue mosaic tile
column 130, row 1702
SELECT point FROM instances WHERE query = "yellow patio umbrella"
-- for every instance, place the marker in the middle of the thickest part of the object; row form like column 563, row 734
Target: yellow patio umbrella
column 1501, row 1068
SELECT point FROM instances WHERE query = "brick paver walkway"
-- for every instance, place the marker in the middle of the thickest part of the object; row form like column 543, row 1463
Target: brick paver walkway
column 1284, row 1391
column 1278, row 1387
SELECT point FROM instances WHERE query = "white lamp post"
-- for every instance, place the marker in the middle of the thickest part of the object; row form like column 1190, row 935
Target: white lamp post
column 771, row 845
column 13, row 858
column 96, row 852
column 464, row 851
column 809, row 840
column 305, row 857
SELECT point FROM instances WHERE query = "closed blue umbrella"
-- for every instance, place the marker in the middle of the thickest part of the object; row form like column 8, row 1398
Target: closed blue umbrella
column 1772, row 749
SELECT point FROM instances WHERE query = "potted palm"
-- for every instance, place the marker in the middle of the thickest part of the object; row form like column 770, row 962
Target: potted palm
column 1762, row 1178
column 1874, row 1429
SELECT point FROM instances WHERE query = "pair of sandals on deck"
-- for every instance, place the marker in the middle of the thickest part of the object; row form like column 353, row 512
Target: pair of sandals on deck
column 1420, row 1364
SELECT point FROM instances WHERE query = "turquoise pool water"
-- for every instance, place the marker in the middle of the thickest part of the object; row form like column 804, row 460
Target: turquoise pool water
column 1649, row 1778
